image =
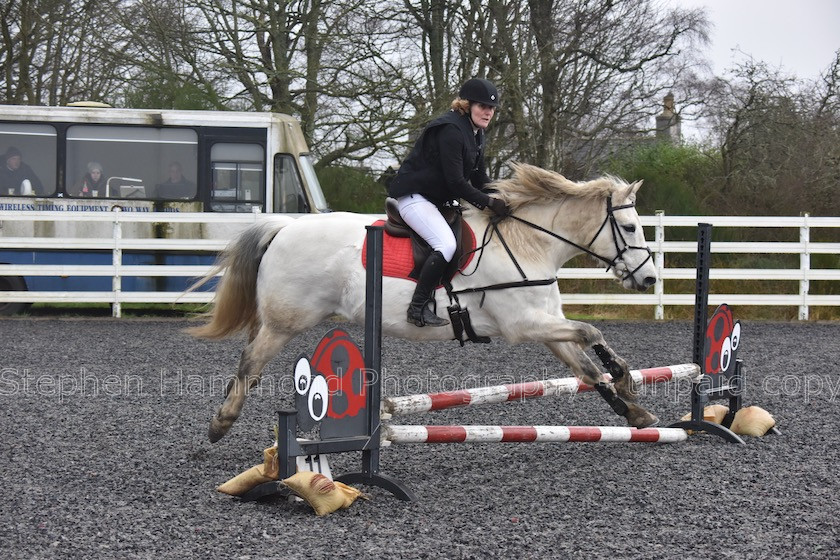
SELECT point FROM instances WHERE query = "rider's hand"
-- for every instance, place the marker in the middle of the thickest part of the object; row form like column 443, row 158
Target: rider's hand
column 498, row 206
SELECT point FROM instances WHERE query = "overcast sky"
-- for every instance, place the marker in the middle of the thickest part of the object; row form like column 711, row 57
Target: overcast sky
column 800, row 36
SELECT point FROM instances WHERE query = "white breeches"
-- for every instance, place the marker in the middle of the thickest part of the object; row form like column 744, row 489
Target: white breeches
column 425, row 219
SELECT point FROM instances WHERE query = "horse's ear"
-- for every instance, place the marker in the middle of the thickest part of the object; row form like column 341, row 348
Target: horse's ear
column 630, row 190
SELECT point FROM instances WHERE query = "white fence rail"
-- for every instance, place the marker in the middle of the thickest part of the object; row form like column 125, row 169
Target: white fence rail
column 658, row 298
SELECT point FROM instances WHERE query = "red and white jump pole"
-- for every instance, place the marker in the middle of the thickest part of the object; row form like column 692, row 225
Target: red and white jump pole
column 525, row 434
column 413, row 404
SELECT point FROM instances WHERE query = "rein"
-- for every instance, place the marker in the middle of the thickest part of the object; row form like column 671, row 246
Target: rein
column 493, row 228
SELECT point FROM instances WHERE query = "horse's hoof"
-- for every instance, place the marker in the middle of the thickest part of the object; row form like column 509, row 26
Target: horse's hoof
column 638, row 417
column 217, row 430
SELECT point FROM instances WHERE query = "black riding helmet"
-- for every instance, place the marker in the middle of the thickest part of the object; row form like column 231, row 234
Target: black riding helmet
column 479, row 90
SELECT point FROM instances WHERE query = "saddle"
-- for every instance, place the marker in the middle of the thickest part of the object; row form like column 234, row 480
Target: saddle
column 400, row 239
column 396, row 227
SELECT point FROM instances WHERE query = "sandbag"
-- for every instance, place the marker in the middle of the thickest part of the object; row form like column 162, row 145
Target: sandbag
column 256, row 475
column 712, row 413
column 324, row 495
column 752, row 421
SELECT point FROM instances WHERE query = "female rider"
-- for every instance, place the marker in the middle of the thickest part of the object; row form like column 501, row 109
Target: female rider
column 446, row 163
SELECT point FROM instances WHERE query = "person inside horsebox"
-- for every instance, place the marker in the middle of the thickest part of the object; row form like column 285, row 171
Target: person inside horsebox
column 92, row 184
column 17, row 178
column 176, row 185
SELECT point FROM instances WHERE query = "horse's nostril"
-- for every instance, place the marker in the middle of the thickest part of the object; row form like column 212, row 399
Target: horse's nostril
column 650, row 281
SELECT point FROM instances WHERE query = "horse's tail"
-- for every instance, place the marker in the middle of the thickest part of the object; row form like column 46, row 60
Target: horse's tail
column 235, row 302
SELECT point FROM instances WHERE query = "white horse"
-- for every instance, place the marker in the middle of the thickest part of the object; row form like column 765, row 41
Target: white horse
column 286, row 276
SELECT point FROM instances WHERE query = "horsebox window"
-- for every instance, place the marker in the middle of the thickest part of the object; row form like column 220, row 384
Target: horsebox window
column 238, row 177
column 288, row 190
column 27, row 159
column 134, row 162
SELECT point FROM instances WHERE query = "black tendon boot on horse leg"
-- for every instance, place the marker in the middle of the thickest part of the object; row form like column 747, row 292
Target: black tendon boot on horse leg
column 420, row 312
column 625, row 387
column 635, row 415
column 620, row 371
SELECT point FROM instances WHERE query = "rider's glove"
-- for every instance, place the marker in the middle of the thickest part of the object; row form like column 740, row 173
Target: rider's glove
column 498, row 206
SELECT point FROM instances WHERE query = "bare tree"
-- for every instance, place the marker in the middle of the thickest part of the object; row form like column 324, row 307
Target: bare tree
column 169, row 67
column 324, row 62
column 364, row 76
column 434, row 19
column 56, row 51
column 600, row 68
column 779, row 141
column 575, row 76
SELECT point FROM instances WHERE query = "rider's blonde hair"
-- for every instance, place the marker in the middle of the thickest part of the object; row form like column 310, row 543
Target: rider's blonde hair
column 460, row 105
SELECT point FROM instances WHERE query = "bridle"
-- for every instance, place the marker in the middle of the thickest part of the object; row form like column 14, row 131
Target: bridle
column 617, row 263
column 616, row 230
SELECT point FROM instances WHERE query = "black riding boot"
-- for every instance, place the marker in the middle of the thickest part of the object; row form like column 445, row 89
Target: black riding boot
column 420, row 310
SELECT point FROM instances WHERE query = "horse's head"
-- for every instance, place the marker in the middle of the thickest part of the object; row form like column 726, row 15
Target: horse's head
column 596, row 217
column 620, row 241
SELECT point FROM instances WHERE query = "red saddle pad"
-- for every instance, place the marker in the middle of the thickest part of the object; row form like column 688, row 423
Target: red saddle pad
column 398, row 258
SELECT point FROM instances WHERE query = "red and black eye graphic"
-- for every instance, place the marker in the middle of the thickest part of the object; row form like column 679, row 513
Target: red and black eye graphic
column 340, row 362
column 723, row 336
column 331, row 389
column 342, row 365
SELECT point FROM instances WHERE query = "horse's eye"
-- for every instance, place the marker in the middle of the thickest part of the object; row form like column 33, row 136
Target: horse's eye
column 629, row 228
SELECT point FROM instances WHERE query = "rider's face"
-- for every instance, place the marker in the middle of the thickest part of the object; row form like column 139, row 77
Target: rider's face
column 481, row 114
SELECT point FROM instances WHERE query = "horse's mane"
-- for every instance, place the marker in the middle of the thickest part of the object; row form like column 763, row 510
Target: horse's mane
column 533, row 184
column 540, row 188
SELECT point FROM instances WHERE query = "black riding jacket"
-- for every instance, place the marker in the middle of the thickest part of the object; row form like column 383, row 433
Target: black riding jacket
column 446, row 163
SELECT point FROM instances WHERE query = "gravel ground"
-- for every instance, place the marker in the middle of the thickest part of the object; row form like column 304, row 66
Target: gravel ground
column 105, row 454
